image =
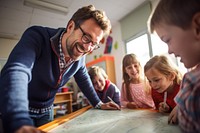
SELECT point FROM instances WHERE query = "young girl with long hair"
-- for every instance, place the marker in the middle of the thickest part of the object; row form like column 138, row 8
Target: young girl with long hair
column 135, row 92
column 164, row 80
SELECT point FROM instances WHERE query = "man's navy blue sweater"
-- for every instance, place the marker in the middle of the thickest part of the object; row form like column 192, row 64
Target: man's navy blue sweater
column 31, row 76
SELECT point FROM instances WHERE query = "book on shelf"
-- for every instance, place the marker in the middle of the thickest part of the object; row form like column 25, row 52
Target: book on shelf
column 61, row 111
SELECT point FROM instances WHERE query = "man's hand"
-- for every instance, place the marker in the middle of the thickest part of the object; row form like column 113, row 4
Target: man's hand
column 172, row 119
column 110, row 106
column 28, row 129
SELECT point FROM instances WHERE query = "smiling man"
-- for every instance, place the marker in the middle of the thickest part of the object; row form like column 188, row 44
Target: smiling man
column 44, row 60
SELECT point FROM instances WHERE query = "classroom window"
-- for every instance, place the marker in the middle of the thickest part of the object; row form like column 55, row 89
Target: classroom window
column 140, row 46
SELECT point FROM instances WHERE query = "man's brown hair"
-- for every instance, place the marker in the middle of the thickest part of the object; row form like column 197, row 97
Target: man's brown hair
column 88, row 12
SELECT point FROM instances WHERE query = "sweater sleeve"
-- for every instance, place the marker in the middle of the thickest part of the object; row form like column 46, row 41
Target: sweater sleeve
column 14, row 80
column 85, row 84
column 116, row 94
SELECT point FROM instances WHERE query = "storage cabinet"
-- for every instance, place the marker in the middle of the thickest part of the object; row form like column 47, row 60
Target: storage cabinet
column 107, row 63
column 64, row 98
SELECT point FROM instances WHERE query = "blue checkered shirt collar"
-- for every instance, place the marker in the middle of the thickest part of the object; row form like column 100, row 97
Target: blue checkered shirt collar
column 62, row 62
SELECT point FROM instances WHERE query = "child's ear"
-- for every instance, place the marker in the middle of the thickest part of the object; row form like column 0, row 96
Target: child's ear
column 196, row 24
column 172, row 76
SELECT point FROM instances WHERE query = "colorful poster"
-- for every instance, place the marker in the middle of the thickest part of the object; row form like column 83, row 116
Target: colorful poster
column 108, row 46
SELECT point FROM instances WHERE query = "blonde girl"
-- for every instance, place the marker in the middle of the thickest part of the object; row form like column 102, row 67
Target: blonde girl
column 164, row 80
column 135, row 92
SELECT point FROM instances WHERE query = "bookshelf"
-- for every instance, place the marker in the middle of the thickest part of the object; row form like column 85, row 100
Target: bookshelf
column 64, row 98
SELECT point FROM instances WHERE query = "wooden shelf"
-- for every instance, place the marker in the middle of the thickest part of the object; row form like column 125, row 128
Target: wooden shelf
column 63, row 101
column 64, row 97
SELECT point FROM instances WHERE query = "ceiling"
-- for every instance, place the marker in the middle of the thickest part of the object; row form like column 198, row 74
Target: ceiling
column 15, row 17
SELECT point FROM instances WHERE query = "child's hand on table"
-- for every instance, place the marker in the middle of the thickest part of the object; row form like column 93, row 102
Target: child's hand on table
column 164, row 108
column 110, row 106
column 172, row 119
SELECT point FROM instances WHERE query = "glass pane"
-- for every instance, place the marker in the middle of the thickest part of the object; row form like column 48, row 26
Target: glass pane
column 158, row 46
column 140, row 47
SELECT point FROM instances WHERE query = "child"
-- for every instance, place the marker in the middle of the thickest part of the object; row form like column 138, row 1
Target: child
column 165, row 82
column 135, row 92
column 177, row 22
column 104, row 87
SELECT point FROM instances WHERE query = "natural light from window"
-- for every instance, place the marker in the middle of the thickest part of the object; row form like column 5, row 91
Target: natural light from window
column 140, row 47
column 159, row 47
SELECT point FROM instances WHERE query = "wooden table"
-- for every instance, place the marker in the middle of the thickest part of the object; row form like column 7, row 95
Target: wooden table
column 87, row 120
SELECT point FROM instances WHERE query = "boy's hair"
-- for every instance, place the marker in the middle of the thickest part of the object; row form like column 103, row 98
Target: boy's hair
column 88, row 12
column 164, row 66
column 174, row 12
column 96, row 71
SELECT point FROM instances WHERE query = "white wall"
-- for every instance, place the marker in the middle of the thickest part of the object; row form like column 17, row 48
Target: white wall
column 118, row 54
column 6, row 45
